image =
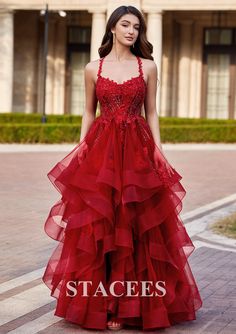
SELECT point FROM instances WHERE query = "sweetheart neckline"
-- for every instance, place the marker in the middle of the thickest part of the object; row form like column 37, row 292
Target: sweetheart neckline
column 124, row 82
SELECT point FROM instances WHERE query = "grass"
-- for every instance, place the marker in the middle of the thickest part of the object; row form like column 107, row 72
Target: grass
column 226, row 226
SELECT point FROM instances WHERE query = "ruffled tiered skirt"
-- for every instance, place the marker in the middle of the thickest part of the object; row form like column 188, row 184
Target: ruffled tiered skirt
column 117, row 221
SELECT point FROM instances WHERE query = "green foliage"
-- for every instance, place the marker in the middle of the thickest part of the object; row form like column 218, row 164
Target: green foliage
column 215, row 133
column 36, row 133
column 225, row 226
column 36, row 118
column 28, row 128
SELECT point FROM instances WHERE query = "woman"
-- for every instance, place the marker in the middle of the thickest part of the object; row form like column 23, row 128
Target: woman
column 122, row 256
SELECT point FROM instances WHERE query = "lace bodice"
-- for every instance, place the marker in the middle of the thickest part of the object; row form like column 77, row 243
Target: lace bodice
column 121, row 100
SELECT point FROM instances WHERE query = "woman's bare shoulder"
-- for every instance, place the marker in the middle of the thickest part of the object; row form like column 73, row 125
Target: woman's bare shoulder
column 149, row 64
column 91, row 68
column 92, row 65
column 149, row 67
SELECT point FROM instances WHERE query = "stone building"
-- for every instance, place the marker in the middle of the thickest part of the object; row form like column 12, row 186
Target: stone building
column 194, row 48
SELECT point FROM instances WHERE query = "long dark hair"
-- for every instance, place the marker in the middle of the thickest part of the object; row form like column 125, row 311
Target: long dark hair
column 141, row 48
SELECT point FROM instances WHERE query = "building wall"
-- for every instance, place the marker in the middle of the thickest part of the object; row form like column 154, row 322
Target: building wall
column 176, row 34
column 182, row 60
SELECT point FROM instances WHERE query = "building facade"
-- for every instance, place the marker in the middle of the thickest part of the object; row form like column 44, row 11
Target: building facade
column 194, row 47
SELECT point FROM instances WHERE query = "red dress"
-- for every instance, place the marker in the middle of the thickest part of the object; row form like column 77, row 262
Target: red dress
column 118, row 221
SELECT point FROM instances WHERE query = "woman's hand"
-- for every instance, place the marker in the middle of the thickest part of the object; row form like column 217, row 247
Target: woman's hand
column 82, row 150
column 83, row 144
column 159, row 156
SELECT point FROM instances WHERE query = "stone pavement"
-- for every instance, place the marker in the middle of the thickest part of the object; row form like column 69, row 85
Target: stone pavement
column 26, row 196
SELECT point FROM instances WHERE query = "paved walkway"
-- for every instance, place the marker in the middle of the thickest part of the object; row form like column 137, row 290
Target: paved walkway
column 26, row 196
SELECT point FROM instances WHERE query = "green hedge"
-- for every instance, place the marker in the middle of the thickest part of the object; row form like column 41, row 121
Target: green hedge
column 199, row 133
column 28, row 128
column 75, row 119
column 36, row 118
column 37, row 133
column 69, row 133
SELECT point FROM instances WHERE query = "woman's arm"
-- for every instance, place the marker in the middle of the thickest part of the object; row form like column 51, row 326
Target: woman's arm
column 151, row 114
column 89, row 113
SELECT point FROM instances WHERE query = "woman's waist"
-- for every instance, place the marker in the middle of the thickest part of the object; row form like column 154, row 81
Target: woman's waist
column 120, row 116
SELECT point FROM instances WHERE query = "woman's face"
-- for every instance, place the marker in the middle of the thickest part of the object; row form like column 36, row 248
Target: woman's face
column 127, row 29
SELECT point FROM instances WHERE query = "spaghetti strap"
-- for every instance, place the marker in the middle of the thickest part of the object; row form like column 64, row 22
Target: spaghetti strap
column 140, row 66
column 100, row 66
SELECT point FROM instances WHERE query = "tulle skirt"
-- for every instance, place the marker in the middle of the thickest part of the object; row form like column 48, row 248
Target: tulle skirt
column 118, row 227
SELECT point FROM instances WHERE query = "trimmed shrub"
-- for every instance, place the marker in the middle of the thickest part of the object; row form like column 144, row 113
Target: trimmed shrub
column 28, row 128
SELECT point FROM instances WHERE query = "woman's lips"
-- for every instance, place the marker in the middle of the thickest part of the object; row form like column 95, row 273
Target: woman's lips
column 129, row 38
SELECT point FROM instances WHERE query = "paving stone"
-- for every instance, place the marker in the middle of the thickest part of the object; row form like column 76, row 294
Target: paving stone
column 27, row 195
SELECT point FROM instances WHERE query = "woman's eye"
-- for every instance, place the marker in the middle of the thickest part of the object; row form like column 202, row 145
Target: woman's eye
column 127, row 26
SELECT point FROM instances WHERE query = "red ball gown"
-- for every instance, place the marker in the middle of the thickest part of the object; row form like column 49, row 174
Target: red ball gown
column 117, row 221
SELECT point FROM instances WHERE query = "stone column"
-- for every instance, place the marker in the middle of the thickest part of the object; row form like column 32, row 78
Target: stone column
column 55, row 92
column 6, row 60
column 184, row 70
column 154, row 35
column 98, row 30
column 56, row 67
column 196, row 70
